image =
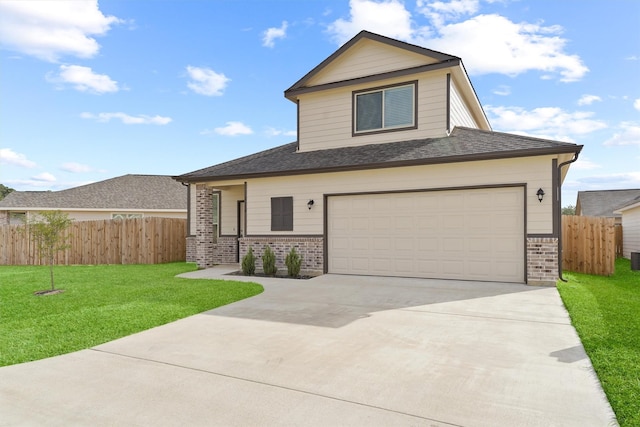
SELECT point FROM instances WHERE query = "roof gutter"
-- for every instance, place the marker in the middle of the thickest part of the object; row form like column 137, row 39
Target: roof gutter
column 559, row 213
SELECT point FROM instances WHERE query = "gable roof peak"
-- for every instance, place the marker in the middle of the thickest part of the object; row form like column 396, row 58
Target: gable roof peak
column 362, row 35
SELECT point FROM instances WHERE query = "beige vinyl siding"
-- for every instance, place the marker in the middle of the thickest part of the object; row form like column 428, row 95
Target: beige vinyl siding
column 368, row 58
column 326, row 117
column 228, row 220
column 534, row 171
column 460, row 114
column 631, row 231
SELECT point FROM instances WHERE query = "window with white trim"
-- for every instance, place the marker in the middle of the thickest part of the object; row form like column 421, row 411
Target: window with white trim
column 384, row 109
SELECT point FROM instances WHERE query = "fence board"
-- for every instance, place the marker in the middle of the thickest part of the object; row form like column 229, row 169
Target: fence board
column 588, row 244
column 150, row 240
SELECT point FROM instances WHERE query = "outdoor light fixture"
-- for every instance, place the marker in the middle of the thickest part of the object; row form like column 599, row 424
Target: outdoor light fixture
column 310, row 204
column 540, row 194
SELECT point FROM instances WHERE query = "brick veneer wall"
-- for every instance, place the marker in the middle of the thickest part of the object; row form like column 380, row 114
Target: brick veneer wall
column 311, row 249
column 191, row 248
column 542, row 260
column 204, row 237
column 225, row 250
column 4, row 218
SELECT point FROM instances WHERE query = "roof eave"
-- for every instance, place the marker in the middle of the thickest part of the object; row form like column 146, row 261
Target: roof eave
column 392, row 164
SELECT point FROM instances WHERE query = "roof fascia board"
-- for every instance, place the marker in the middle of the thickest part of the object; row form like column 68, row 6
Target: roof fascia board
column 375, row 37
column 419, row 162
column 36, row 209
column 291, row 94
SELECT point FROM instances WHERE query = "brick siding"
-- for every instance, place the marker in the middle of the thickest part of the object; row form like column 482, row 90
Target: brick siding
column 542, row 260
column 205, row 237
column 311, row 250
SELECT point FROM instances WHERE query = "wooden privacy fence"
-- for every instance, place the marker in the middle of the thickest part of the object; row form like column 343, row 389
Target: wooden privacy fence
column 588, row 244
column 150, row 240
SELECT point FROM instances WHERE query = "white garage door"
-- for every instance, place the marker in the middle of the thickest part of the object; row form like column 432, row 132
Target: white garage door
column 459, row 234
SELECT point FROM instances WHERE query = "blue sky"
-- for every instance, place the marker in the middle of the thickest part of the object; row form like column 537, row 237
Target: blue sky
column 90, row 91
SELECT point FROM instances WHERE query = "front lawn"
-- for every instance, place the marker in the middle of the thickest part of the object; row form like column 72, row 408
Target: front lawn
column 100, row 303
column 606, row 313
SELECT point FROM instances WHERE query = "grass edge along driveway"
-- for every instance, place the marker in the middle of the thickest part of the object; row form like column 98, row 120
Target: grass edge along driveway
column 606, row 313
column 100, row 303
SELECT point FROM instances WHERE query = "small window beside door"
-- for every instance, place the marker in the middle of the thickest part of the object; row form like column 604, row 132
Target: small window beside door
column 282, row 214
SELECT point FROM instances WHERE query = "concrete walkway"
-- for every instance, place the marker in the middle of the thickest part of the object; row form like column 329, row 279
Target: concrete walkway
column 330, row 351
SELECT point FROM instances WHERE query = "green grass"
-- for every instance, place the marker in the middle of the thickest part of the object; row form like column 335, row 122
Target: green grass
column 100, row 303
column 606, row 313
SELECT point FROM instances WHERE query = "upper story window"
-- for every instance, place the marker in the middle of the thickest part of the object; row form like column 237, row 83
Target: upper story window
column 383, row 109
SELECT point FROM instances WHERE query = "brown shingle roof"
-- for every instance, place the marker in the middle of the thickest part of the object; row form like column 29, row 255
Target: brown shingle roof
column 464, row 144
column 143, row 192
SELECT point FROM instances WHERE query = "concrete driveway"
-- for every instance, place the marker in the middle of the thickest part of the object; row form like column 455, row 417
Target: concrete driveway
column 333, row 350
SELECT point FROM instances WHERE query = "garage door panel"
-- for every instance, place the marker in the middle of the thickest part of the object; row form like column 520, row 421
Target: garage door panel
column 459, row 234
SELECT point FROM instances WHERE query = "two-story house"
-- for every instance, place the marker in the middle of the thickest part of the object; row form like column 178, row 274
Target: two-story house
column 395, row 172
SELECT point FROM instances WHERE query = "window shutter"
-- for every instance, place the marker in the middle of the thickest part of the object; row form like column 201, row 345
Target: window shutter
column 281, row 213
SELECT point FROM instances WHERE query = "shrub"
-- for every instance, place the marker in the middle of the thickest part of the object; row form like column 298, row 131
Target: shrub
column 293, row 261
column 269, row 262
column 249, row 263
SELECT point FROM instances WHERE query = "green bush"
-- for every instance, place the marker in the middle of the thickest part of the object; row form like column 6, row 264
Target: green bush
column 293, row 261
column 249, row 263
column 269, row 262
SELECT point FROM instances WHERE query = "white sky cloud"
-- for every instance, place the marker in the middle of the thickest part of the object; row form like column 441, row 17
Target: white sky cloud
column 584, row 163
column 543, row 121
column 127, row 119
column 271, row 132
column 10, row 157
column 84, row 79
column 273, row 33
column 636, row 104
column 233, row 129
column 502, row 90
column 627, row 134
column 205, row 81
column 588, row 99
column 389, row 18
column 487, row 43
column 49, row 29
column 44, row 176
column 75, row 167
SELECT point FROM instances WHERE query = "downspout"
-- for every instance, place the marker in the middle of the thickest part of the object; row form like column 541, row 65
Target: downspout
column 559, row 214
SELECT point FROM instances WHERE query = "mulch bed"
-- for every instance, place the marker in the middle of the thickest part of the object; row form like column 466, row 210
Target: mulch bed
column 277, row 276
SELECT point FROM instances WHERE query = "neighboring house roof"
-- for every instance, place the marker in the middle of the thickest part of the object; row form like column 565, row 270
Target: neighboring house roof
column 464, row 144
column 635, row 203
column 604, row 202
column 140, row 192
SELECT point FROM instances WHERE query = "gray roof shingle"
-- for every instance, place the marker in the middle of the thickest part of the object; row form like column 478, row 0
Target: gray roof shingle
column 464, row 144
column 604, row 202
column 144, row 192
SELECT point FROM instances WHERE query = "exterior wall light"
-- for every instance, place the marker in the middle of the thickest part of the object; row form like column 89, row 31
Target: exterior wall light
column 540, row 194
column 310, row 204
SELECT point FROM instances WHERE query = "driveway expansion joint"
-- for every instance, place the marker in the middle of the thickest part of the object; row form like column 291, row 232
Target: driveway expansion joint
column 204, row 371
